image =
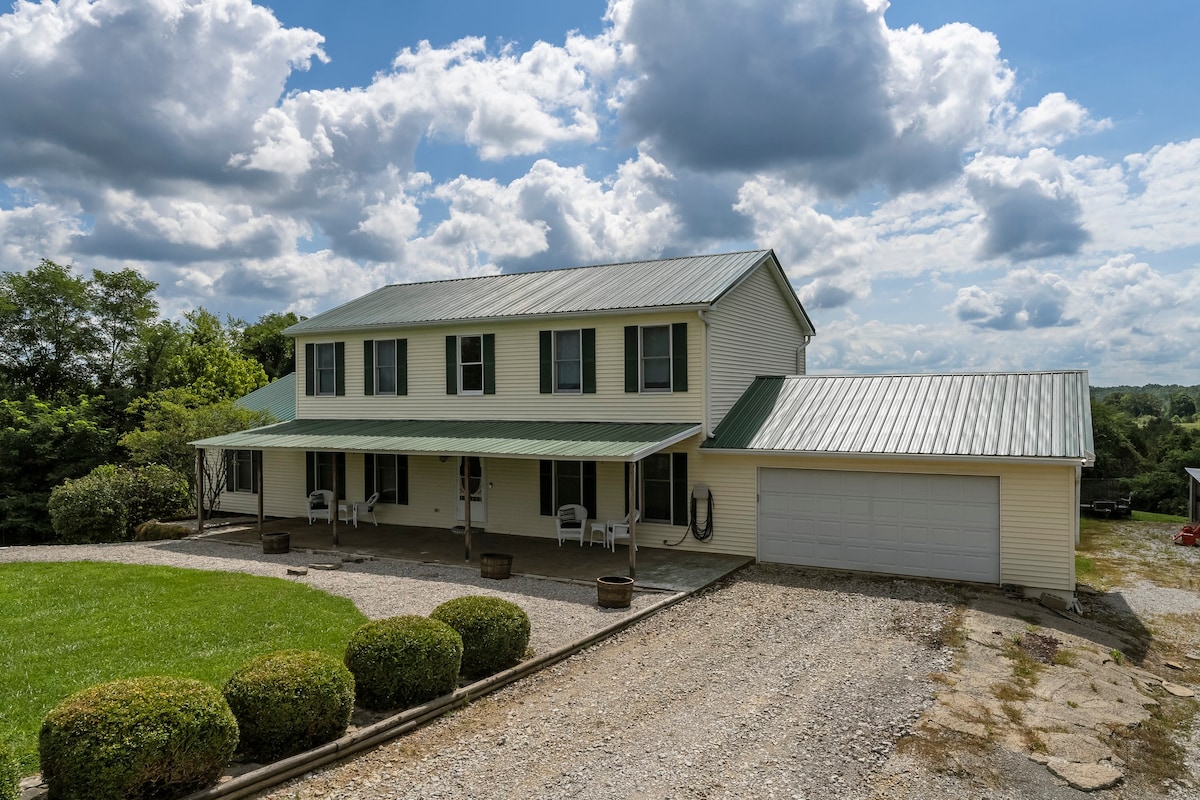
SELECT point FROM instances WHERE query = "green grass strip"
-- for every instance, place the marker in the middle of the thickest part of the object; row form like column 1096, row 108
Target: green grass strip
column 67, row 626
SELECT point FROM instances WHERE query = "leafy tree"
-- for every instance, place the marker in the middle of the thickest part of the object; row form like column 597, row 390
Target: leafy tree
column 1182, row 404
column 264, row 342
column 1118, row 441
column 1140, row 404
column 172, row 419
column 209, row 365
column 48, row 337
column 41, row 445
column 121, row 306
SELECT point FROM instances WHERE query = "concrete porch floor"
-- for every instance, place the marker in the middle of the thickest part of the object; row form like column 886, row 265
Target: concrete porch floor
column 657, row 567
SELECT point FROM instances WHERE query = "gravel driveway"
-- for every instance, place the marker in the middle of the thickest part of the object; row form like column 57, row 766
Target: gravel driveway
column 780, row 683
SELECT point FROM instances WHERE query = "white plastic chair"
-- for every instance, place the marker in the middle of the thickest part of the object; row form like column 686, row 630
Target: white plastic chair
column 616, row 529
column 570, row 522
column 364, row 507
column 320, row 505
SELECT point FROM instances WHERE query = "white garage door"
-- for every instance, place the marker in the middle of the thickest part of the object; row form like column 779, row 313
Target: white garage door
column 937, row 526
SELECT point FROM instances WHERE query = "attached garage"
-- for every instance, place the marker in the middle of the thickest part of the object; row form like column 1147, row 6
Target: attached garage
column 969, row 477
column 933, row 526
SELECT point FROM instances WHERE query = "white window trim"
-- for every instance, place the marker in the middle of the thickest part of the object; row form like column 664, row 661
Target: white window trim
column 642, row 388
column 462, row 390
column 318, row 369
column 395, row 367
column 554, row 361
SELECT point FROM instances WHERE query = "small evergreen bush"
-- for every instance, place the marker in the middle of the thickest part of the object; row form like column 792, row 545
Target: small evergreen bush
column 495, row 632
column 290, row 701
column 106, row 504
column 400, row 662
column 10, row 774
column 136, row 739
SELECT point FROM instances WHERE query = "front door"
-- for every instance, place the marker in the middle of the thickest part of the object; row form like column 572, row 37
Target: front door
column 478, row 490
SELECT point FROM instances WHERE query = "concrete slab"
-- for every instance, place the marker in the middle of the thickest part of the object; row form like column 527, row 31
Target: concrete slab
column 656, row 567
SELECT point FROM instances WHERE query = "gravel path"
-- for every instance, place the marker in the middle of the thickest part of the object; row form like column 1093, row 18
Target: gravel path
column 779, row 684
column 560, row 612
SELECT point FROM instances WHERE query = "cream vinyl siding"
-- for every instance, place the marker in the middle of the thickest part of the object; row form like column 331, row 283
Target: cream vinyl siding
column 517, row 394
column 1036, row 507
column 752, row 331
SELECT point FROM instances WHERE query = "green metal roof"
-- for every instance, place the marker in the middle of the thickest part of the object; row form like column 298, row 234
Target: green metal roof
column 981, row 415
column 278, row 398
column 690, row 282
column 589, row 441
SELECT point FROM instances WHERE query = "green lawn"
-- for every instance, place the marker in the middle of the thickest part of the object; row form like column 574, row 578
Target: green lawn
column 1149, row 516
column 66, row 626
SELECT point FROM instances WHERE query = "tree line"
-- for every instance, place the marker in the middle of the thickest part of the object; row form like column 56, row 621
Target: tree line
column 1145, row 437
column 92, row 376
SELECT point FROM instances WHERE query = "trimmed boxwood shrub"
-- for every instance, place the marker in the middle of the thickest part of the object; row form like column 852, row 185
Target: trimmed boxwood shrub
column 290, row 701
column 495, row 632
column 139, row 738
column 400, row 662
column 10, row 775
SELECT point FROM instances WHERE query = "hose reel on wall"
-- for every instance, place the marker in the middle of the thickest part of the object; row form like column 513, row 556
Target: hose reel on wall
column 700, row 516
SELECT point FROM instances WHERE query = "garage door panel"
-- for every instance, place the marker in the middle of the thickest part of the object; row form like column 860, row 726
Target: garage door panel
column 941, row 526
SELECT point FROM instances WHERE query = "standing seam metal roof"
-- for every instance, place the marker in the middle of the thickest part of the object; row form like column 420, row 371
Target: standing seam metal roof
column 1016, row 415
column 688, row 281
column 278, row 398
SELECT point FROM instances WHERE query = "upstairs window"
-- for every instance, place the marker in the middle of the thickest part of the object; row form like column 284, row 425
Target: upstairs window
column 656, row 358
column 385, row 367
column 471, row 364
column 567, row 361
column 325, row 369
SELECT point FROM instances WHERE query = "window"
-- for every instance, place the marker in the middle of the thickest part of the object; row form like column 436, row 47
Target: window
column 656, row 358
column 568, row 482
column 326, row 370
column 387, row 473
column 471, row 364
column 385, row 366
column 239, row 470
column 662, row 488
column 568, row 362
column 321, row 468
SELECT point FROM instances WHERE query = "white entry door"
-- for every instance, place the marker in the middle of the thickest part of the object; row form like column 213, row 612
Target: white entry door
column 936, row 526
column 478, row 490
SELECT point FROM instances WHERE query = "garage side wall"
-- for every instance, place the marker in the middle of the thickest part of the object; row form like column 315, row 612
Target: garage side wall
column 1037, row 505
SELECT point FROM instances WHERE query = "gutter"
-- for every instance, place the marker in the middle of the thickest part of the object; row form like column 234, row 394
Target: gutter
column 373, row 735
column 707, row 413
column 914, row 457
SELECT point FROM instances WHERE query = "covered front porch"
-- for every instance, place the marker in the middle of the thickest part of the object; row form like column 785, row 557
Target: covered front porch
column 658, row 568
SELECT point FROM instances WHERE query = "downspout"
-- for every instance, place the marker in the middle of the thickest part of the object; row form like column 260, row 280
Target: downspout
column 802, row 355
column 706, row 424
column 1078, row 478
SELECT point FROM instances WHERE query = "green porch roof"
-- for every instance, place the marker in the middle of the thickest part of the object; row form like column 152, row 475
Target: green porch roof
column 277, row 398
column 585, row 441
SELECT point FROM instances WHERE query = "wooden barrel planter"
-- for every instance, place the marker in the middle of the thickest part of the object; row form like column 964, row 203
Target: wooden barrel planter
column 614, row 591
column 497, row 566
column 275, row 543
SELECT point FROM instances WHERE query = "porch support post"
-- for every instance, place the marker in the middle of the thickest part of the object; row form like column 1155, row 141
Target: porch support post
column 335, row 506
column 199, row 490
column 632, row 488
column 465, row 472
column 258, row 486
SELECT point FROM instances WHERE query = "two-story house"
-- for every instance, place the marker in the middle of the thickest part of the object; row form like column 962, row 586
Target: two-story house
column 656, row 382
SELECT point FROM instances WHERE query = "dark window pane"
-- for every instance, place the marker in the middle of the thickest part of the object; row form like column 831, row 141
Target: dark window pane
column 568, row 483
column 656, row 373
column 471, row 349
column 472, row 378
column 656, row 341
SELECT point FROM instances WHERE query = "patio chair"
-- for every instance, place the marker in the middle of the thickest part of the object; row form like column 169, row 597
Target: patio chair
column 614, row 529
column 320, row 506
column 364, row 507
column 570, row 522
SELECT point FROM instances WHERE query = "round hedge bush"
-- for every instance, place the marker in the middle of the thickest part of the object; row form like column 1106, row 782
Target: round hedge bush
column 400, row 662
column 10, row 775
column 495, row 632
column 139, row 738
column 290, row 701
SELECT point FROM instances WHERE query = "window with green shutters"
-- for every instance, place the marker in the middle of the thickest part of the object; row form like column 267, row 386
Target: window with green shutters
column 567, row 361
column 325, row 369
column 385, row 367
column 567, row 482
column 662, row 488
column 386, row 473
column 471, row 364
column 656, row 358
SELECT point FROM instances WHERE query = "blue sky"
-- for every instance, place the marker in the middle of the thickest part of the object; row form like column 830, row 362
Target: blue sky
column 950, row 186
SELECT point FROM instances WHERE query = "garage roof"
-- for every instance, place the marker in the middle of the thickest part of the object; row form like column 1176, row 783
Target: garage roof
column 984, row 415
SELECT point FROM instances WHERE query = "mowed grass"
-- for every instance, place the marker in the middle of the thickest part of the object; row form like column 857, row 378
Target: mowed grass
column 67, row 626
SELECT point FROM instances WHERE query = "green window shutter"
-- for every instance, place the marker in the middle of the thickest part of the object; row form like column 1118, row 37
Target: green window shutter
column 340, row 464
column 545, row 362
column 489, row 363
column 588, row 340
column 256, row 462
column 546, row 475
column 310, row 468
column 679, row 489
column 589, row 488
column 310, row 370
column 339, row 361
column 402, row 480
column 631, row 359
column 451, row 365
column 402, row 366
column 368, row 475
column 679, row 357
column 230, row 468
column 369, row 370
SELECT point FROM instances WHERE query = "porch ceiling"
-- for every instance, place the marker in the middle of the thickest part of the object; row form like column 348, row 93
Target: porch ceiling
column 591, row 441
